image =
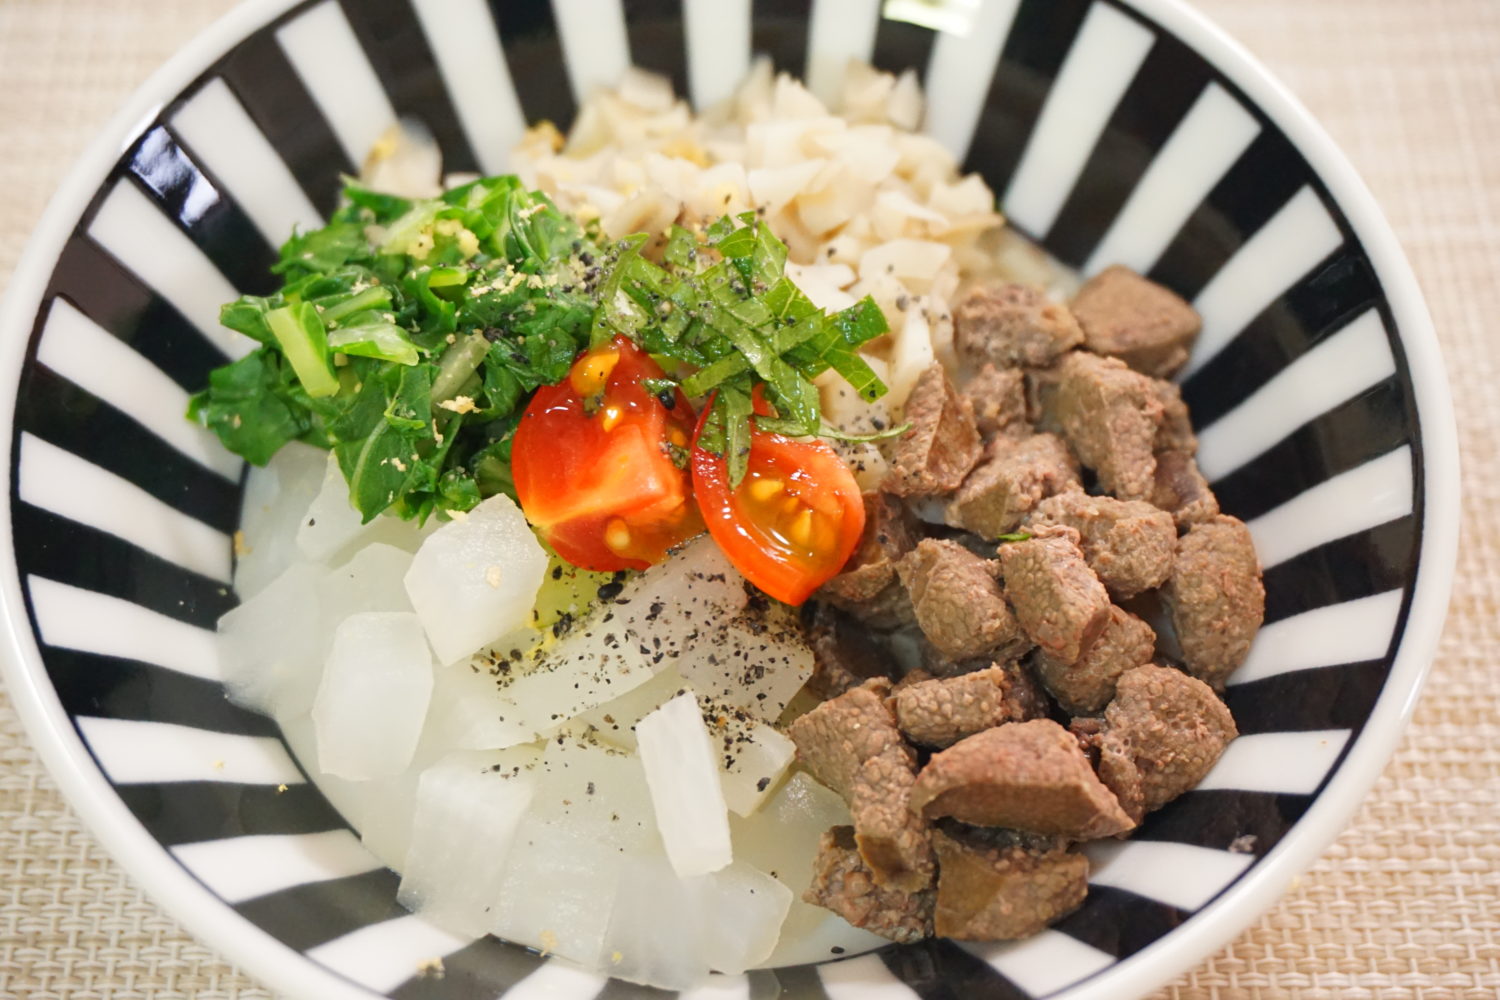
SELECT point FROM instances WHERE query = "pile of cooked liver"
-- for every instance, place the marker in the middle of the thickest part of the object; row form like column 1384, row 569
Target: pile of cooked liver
column 1025, row 652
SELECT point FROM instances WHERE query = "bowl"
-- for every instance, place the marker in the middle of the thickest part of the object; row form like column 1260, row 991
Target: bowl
column 1124, row 131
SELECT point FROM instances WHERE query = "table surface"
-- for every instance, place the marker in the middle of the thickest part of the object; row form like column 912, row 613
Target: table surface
column 1405, row 904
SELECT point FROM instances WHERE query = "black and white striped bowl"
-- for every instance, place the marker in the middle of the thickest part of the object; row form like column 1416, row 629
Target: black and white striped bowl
column 1118, row 131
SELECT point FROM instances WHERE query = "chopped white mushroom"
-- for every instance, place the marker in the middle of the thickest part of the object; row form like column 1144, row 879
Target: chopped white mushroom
column 373, row 696
column 678, row 757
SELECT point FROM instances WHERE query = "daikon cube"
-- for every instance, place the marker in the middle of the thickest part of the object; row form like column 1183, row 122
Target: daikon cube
column 679, row 760
column 468, row 713
column 558, row 891
column 277, row 495
column 270, row 647
column 331, row 522
column 373, row 696
column 756, row 662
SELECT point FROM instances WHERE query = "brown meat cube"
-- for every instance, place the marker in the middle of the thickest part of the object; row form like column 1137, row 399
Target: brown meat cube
column 1058, row 600
column 942, row 446
column 957, row 600
column 939, row 713
column 1028, row 776
column 1041, row 398
column 845, row 653
column 998, row 398
column 841, row 882
column 1119, row 774
column 1215, row 597
column 1147, row 326
column 1014, row 477
column 1109, row 415
column 1013, row 325
column 894, row 841
column 1088, row 684
column 1176, row 430
column 1171, row 727
column 835, row 738
column 998, row 886
column 1129, row 544
column 1181, row 489
column 867, row 587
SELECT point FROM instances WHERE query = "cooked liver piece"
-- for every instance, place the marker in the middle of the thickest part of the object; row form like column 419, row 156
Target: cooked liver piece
column 998, row 398
column 1014, row 476
column 939, row 713
column 894, row 841
column 1215, row 597
column 1172, row 727
column 1147, row 326
column 1028, row 776
column 1129, row 544
column 942, row 446
column 1181, row 489
column 868, row 588
column 957, row 600
column 1088, row 684
column 1058, row 600
column 1110, row 415
column 1011, row 325
column 1176, row 430
column 835, row 738
column 845, row 652
column 842, row 882
column 998, row 885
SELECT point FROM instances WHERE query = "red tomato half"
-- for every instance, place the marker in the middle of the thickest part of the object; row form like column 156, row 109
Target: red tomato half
column 793, row 521
column 593, row 463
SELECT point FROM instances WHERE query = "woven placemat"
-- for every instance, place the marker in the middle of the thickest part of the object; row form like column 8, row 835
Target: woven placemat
column 1405, row 904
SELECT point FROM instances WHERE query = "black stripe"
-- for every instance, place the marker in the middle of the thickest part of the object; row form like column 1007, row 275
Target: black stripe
column 1254, row 189
column 1339, row 289
column 1169, row 82
column 393, row 40
column 1336, row 697
column 901, row 45
column 779, row 29
column 478, row 971
column 800, row 982
column 938, row 969
column 658, row 39
column 59, row 412
column 619, row 989
column 306, row 916
column 1120, row 923
column 763, row 984
column 203, row 211
column 1372, row 424
column 1040, row 36
column 262, row 77
column 185, row 812
column 1221, row 818
column 534, row 55
column 1358, row 565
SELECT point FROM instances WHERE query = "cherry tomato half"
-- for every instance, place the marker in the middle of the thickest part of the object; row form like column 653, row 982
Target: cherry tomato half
column 593, row 462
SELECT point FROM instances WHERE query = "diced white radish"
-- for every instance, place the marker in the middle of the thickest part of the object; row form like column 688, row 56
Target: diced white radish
column 270, row 647
column 475, row 580
column 679, row 760
column 812, row 934
column 755, row 662
column 368, row 582
column 373, row 696
column 276, row 496
column 750, row 907
column 467, row 712
column 756, row 757
column 558, row 891
column 350, row 798
column 468, row 809
column 330, row 522
column 587, row 785
column 614, row 721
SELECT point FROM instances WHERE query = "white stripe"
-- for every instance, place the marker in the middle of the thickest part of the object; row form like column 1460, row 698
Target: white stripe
column 1286, row 763
column 72, row 487
column 132, row 752
column 863, row 978
column 959, row 73
column 69, row 617
column 1110, row 47
column 1338, row 369
column 87, row 355
column 467, row 46
column 718, row 45
column 1043, row 963
column 1357, row 500
column 841, row 30
column 557, row 981
column 1282, row 251
column 596, row 50
column 328, row 59
column 226, row 141
column 719, row 987
column 1182, row 875
column 1353, row 632
column 385, row 955
column 1213, row 134
column 245, row 867
column 131, row 228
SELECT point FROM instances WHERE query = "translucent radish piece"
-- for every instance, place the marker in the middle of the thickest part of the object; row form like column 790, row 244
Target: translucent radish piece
column 350, row 798
column 614, row 721
column 586, row 785
column 373, row 696
column 330, row 522
column 467, row 712
column 558, row 891
column 369, row 582
column 679, row 760
column 474, row 580
column 812, row 934
column 756, row 662
column 468, row 809
column 277, row 495
column 749, row 908
column 271, row 646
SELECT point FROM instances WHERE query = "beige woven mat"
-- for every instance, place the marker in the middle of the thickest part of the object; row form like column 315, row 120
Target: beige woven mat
column 1405, row 904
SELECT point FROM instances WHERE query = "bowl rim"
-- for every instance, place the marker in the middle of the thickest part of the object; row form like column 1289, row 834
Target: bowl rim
column 291, row 972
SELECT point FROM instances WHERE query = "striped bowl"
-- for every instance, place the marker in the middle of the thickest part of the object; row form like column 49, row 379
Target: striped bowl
column 1118, row 131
